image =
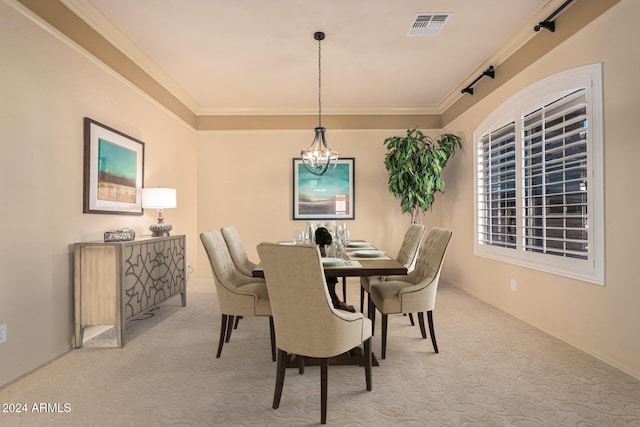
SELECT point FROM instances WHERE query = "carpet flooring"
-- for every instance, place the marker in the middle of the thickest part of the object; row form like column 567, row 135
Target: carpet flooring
column 492, row 370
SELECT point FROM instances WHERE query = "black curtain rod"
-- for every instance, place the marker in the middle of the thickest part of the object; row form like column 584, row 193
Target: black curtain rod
column 489, row 72
column 548, row 24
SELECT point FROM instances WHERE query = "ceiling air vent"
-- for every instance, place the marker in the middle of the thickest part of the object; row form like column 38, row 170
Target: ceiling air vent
column 428, row 24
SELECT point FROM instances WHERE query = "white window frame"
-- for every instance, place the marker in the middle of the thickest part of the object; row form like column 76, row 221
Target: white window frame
column 538, row 95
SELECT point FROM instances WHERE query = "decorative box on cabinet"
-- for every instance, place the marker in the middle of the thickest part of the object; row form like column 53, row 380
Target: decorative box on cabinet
column 116, row 281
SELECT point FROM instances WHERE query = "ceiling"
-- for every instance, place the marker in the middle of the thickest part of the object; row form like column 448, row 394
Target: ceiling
column 260, row 57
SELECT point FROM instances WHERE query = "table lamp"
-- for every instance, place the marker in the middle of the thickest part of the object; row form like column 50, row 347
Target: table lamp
column 160, row 199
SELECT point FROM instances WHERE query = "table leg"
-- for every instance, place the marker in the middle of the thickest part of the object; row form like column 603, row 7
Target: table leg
column 331, row 286
column 344, row 289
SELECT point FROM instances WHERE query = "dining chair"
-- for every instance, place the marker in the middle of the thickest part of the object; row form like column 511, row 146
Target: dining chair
column 239, row 256
column 306, row 323
column 406, row 256
column 415, row 292
column 237, row 251
column 237, row 294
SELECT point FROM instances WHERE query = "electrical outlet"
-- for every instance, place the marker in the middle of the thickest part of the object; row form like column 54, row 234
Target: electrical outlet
column 3, row 333
column 513, row 285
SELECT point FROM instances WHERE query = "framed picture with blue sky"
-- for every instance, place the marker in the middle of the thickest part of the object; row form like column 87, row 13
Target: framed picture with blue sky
column 113, row 171
column 329, row 196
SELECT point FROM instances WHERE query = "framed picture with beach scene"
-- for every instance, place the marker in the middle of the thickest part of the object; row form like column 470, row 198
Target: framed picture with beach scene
column 113, row 171
column 328, row 196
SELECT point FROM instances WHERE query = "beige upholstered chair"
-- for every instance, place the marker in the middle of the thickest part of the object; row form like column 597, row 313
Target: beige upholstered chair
column 238, row 295
column 306, row 323
column 239, row 256
column 407, row 256
column 236, row 249
column 415, row 292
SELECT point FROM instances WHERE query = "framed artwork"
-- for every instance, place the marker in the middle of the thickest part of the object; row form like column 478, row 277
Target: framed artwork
column 328, row 196
column 113, row 171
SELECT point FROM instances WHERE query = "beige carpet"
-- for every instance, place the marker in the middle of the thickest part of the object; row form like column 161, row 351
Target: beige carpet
column 492, row 370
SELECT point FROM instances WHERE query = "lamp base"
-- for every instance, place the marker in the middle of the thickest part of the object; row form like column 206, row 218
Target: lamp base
column 160, row 230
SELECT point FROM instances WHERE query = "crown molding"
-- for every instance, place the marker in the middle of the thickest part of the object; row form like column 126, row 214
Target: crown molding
column 514, row 42
column 348, row 111
column 91, row 31
column 571, row 20
column 103, row 25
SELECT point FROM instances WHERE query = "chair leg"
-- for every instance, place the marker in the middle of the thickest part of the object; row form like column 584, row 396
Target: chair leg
column 324, row 368
column 280, row 371
column 431, row 330
column 272, row 334
column 237, row 321
column 421, row 322
column 361, row 299
column 371, row 312
column 411, row 319
column 385, row 319
column 229, row 328
column 367, row 363
column 300, row 365
column 223, row 329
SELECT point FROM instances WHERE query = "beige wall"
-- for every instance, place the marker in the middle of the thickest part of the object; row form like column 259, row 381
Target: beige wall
column 47, row 88
column 605, row 320
column 245, row 180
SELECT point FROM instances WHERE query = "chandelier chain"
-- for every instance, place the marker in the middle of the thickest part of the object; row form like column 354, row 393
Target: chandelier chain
column 319, row 84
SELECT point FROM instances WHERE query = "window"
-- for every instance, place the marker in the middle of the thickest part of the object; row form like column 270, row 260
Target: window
column 539, row 178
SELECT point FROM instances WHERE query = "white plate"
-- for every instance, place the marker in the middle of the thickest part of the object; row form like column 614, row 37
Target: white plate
column 369, row 253
column 328, row 262
column 358, row 244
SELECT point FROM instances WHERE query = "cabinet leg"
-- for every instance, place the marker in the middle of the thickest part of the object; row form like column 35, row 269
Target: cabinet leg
column 120, row 335
column 183, row 296
column 79, row 337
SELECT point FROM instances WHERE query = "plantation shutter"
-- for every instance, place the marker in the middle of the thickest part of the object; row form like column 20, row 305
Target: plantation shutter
column 497, row 187
column 555, row 178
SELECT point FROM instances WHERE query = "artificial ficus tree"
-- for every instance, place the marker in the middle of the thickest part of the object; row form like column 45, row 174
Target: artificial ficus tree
column 415, row 163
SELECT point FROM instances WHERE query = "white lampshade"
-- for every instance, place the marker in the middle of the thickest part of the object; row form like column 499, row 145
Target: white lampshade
column 159, row 198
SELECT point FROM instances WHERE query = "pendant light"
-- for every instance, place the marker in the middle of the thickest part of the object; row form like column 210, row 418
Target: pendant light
column 318, row 156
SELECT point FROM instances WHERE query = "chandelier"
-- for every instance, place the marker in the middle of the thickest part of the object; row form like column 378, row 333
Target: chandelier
column 318, row 156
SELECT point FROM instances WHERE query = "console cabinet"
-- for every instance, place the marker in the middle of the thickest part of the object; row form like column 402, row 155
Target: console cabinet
column 116, row 281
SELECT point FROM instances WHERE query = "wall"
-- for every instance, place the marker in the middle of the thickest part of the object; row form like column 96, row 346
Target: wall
column 245, row 179
column 47, row 87
column 600, row 320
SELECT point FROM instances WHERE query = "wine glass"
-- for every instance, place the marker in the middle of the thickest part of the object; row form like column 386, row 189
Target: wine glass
column 298, row 237
column 340, row 231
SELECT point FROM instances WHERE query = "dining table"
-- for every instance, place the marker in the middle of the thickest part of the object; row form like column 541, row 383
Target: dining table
column 361, row 259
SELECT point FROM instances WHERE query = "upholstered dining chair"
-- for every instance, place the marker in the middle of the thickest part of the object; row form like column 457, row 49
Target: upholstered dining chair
column 237, row 251
column 407, row 256
column 415, row 292
column 239, row 256
column 238, row 295
column 306, row 323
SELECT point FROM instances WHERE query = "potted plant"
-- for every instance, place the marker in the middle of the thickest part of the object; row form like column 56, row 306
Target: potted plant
column 323, row 238
column 415, row 163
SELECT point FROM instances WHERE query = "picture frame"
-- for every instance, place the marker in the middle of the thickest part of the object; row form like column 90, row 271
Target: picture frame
column 113, row 171
column 330, row 196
